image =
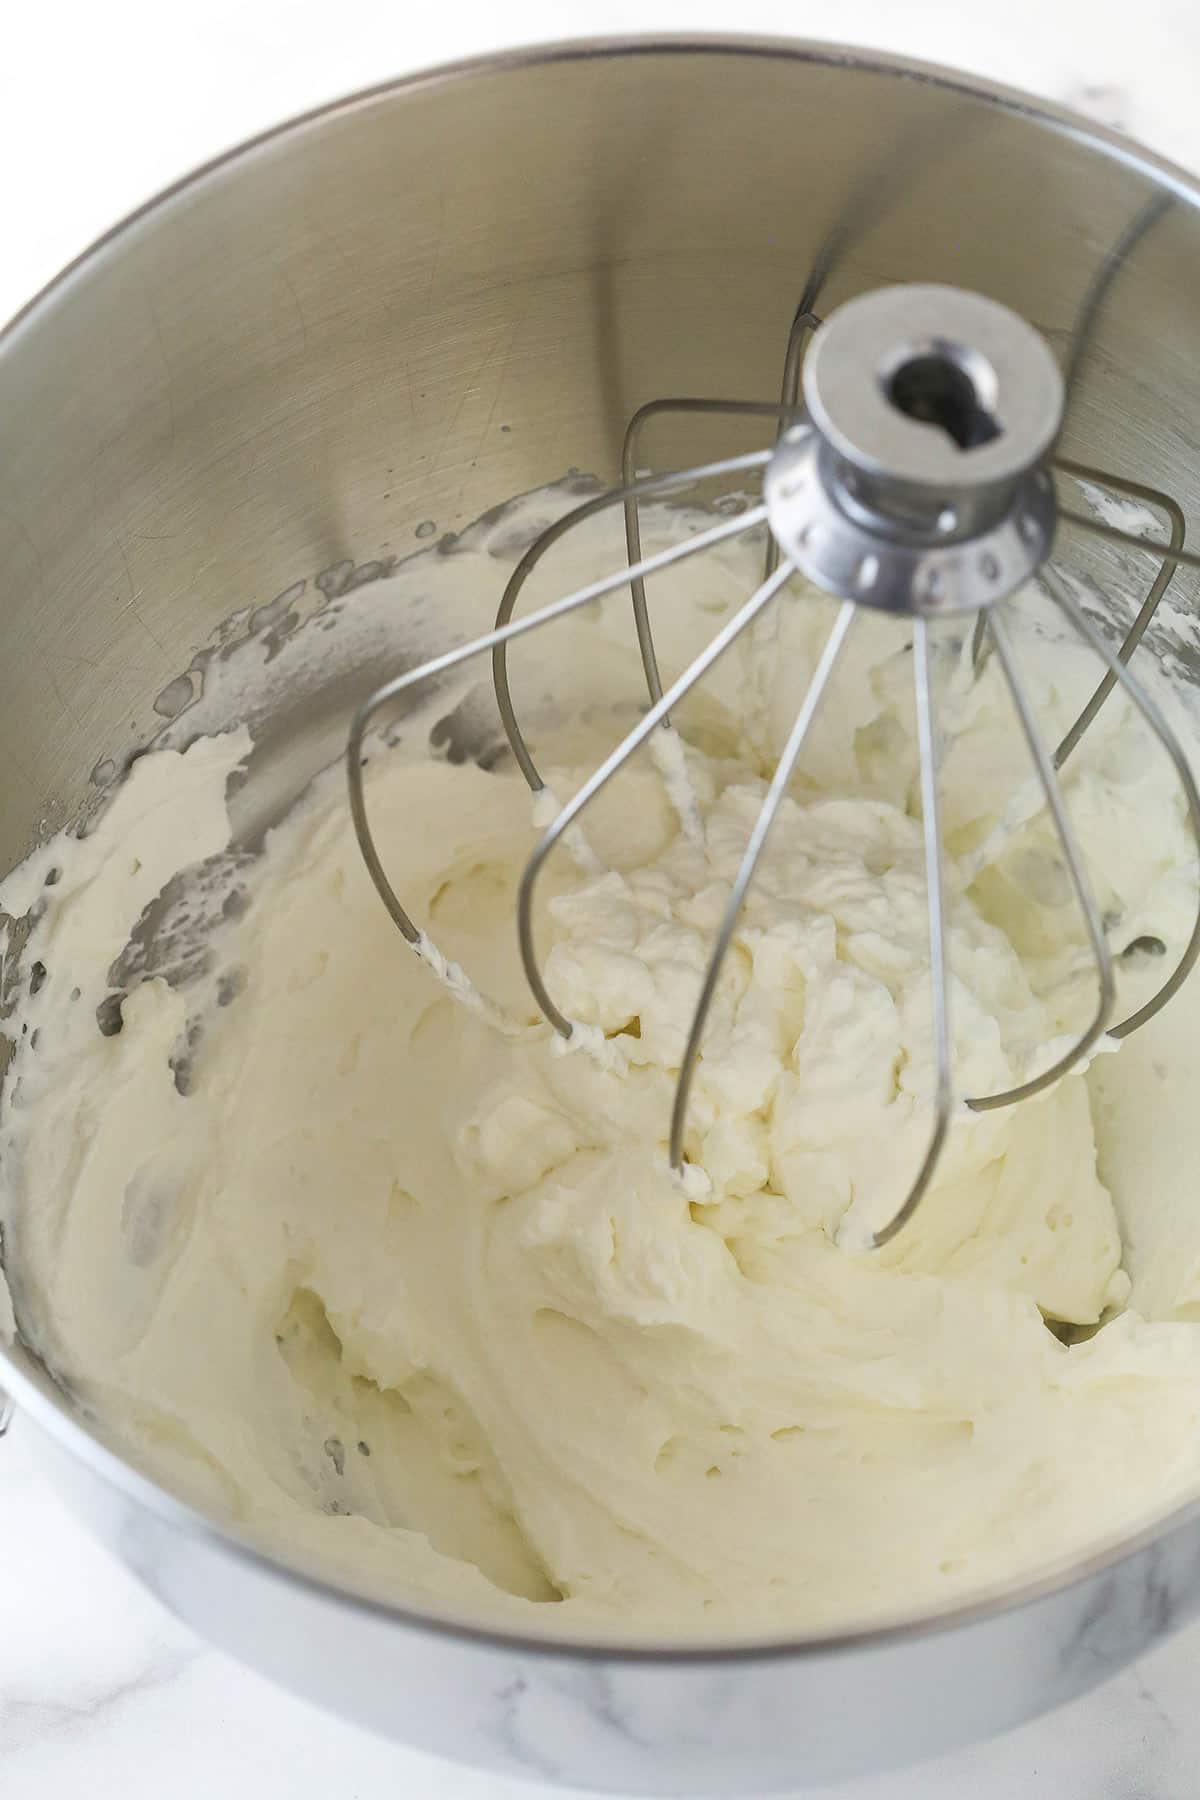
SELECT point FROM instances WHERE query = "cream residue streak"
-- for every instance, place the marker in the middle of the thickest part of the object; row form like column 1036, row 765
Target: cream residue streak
column 423, row 1304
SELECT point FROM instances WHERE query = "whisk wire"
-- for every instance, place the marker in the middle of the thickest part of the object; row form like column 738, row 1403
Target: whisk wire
column 646, row 488
column 503, row 634
column 633, row 739
column 943, row 1096
column 1133, row 490
column 785, row 411
column 1044, row 763
column 684, row 404
column 1154, row 718
column 784, row 770
column 1171, row 553
column 804, row 323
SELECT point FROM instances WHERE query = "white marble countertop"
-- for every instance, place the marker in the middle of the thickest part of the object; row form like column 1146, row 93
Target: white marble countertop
column 100, row 1692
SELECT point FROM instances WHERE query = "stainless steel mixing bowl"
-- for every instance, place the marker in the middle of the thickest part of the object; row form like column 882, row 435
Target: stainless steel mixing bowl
column 407, row 307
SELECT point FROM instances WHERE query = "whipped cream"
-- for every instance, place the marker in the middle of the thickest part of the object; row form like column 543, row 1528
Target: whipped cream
column 418, row 1301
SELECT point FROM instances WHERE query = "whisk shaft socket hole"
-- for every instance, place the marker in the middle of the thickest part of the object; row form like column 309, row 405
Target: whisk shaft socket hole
column 949, row 387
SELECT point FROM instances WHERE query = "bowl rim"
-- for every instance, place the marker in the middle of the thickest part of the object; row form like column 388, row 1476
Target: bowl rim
column 63, row 1423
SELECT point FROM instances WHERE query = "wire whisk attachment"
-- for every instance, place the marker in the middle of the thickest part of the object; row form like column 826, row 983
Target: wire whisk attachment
column 915, row 478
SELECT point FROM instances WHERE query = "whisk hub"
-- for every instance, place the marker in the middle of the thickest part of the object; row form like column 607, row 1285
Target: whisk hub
column 917, row 484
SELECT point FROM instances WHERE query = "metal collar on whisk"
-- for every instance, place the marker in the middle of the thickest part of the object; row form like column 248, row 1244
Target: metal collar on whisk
column 916, row 479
